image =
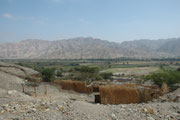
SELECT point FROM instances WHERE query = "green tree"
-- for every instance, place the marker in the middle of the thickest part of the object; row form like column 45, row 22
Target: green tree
column 48, row 74
column 165, row 76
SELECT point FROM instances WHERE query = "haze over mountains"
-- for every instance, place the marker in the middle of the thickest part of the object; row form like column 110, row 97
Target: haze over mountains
column 77, row 48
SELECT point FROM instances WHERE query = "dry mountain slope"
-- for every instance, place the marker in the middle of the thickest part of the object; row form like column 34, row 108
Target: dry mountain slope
column 77, row 48
column 145, row 45
column 171, row 47
column 155, row 48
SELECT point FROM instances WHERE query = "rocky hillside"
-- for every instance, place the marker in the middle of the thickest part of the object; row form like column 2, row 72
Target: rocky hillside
column 12, row 76
column 171, row 47
column 77, row 48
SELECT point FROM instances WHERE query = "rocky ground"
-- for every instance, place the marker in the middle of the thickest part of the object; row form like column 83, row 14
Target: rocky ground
column 68, row 105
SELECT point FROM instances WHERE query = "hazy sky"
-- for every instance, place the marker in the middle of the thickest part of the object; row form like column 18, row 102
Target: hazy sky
column 113, row 20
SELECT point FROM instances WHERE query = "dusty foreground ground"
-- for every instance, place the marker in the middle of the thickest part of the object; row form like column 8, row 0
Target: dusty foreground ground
column 64, row 105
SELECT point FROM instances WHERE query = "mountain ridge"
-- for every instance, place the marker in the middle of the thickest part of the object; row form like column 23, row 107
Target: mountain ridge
column 80, row 47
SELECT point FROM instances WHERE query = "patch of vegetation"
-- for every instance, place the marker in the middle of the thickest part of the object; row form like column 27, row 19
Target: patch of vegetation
column 86, row 69
column 48, row 75
column 59, row 73
column 86, row 73
column 106, row 76
column 170, row 77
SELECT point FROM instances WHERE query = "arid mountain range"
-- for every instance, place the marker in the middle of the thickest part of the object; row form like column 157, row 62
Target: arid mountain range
column 77, row 48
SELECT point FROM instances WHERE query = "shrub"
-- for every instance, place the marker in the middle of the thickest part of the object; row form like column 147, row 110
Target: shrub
column 98, row 77
column 86, row 69
column 59, row 73
column 107, row 75
column 86, row 73
column 48, row 74
column 171, row 78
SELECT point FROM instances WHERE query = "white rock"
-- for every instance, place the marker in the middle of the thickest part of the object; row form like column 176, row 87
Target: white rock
column 11, row 92
column 150, row 118
column 113, row 116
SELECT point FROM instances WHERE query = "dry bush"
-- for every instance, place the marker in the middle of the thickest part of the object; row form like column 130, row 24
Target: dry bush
column 57, row 82
column 119, row 94
column 164, row 88
column 147, row 93
column 75, row 86
column 147, row 110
